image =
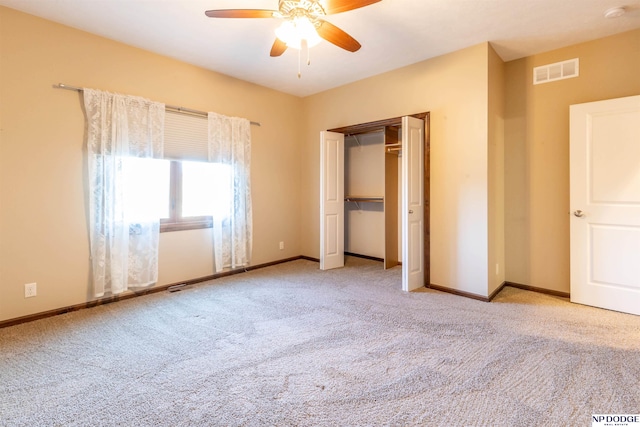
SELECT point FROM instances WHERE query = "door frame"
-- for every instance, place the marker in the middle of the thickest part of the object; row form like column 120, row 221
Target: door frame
column 378, row 125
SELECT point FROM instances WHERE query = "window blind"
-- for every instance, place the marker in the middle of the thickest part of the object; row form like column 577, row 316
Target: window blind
column 185, row 137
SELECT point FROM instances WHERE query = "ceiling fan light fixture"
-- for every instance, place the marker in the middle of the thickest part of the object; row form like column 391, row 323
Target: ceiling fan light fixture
column 294, row 31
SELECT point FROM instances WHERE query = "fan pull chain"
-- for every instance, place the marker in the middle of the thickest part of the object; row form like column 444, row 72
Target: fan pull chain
column 303, row 46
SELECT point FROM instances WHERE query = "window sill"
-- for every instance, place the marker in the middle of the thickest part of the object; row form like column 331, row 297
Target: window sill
column 181, row 226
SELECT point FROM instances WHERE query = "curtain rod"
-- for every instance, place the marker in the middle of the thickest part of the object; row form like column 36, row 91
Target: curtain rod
column 167, row 107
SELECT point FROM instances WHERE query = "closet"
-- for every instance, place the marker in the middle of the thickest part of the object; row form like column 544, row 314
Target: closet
column 371, row 194
column 374, row 195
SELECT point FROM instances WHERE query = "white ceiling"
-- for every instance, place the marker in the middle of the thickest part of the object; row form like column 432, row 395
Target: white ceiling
column 393, row 33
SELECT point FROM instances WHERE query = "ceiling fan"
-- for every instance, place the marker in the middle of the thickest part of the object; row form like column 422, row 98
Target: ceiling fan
column 303, row 25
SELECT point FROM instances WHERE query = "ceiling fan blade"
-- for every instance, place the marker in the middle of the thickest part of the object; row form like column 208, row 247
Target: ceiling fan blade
column 278, row 47
column 335, row 35
column 240, row 13
column 337, row 6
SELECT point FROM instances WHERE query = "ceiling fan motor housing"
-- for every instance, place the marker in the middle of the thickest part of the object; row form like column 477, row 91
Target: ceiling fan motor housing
column 311, row 9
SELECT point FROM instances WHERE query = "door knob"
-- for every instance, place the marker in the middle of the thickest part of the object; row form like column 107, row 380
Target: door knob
column 410, row 211
column 579, row 213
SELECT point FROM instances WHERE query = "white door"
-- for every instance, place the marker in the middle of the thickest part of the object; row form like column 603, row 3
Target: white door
column 331, row 200
column 605, row 204
column 412, row 203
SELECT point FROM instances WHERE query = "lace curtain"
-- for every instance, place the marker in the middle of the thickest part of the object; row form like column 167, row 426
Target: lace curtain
column 124, row 244
column 230, row 143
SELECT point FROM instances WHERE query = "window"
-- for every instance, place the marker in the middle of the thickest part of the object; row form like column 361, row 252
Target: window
column 183, row 194
column 184, row 191
column 197, row 192
column 147, row 188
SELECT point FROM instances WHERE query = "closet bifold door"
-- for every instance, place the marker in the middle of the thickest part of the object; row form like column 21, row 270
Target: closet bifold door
column 390, row 198
column 331, row 200
column 413, row 266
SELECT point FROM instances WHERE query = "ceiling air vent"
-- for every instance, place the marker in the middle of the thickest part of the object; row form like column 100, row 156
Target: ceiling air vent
column 558, row 71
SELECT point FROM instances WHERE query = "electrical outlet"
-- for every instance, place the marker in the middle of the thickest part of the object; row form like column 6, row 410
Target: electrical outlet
column 30, row 290
column 281, row 245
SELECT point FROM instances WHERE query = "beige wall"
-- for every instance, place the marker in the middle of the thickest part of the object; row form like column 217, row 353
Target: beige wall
column 454, row 88
column 537, row 151
column 43, row 221
column 496, row 250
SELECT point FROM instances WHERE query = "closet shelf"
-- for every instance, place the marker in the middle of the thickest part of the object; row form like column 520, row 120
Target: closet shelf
column 373, row 199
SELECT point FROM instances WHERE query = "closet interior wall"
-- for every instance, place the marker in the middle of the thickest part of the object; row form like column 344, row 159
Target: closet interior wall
column 372, row 188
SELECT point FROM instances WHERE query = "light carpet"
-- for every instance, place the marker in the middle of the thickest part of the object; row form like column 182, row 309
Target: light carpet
column 292, row 345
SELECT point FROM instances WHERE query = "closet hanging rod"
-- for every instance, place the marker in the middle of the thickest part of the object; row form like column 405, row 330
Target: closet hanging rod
column 167, row 107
